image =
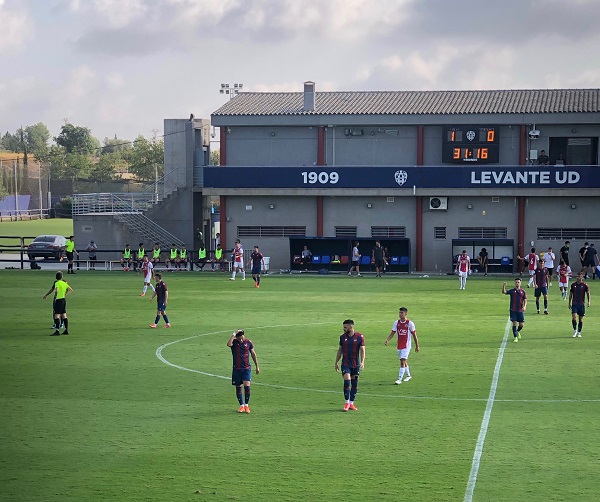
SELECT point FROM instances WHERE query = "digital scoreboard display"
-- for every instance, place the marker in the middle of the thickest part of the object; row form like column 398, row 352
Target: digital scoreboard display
column 462, row 144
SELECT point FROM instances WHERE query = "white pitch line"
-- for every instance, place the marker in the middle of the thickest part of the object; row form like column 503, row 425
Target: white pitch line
column 486, row 419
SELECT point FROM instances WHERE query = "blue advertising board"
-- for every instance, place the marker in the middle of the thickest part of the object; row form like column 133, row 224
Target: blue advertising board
column 404, row 177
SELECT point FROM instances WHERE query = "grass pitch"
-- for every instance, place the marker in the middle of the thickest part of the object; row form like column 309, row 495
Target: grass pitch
column 119, row 411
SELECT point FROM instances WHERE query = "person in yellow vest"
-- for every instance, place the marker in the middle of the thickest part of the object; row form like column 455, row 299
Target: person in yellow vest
column 183, row 257
column 61, row 290
column 201, row 256
column 155, row 254
column 70, row 251
column 218, row 257
column 126, row 258
column 141, row 252
column 173, row 257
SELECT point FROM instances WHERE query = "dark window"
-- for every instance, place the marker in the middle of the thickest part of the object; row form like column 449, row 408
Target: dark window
column 388, row 232
column 482, row 233
column 345, row 231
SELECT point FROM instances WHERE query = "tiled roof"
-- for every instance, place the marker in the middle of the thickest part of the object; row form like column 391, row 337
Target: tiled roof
column 416, row 102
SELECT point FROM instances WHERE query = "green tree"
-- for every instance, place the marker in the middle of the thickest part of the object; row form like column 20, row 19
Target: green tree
column 115, row 145
column 146, row 158
column 75, row 139
column 11, row 142
column 105, row 169
column 215, row 157
column 36, row 139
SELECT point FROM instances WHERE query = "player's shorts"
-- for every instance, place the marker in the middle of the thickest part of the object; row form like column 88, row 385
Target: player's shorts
column 379, row 263
column 69, row 255
column 578, row 309
column 161, row 306
column 589, row 263
column 403, row 353
column 256, row 270
column 353, row 371
column 517, row 316
column 531, row 271
column 550, row 270
column 563, row 284
column 148, row 278
column 540, row 291
column 238, row 264
column 239, row 376
column 355, row 263
column 60, row 306
column 463, row 274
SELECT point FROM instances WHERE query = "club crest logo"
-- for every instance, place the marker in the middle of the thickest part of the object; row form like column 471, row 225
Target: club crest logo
column 401, row 177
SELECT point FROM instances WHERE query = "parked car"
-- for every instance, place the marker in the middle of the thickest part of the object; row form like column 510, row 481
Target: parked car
column 47, row 246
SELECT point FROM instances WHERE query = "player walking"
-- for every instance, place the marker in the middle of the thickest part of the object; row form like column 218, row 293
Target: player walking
column 518, row 305
column 463, row 267
column 238, row 260
column 352, row 352
column 404, row 328
column 241, row 349
column 532, row 260
column 162, row 298
column 563, row 272
column 148, row 271
column 540, row 283
column 577, row 294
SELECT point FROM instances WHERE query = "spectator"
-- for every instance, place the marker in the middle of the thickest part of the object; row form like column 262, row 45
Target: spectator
column 561, row 161
column 543, row 159
column 483, row 258
column 306, row 257
column 564, row 253
column 91, row 249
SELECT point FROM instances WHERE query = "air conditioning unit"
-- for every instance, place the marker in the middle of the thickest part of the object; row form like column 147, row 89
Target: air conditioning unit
column 438, row 203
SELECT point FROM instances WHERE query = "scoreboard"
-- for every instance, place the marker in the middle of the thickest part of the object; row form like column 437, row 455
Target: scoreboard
column 478, row 144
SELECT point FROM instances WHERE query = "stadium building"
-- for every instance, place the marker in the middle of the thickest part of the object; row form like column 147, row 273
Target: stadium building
column 428, row 173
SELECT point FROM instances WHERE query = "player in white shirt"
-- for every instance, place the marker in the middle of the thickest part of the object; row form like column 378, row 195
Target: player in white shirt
column 148, row 271
column 404, row 328
column 563, row 272
column 549, row 258
column 238, row 261
column 463, row 267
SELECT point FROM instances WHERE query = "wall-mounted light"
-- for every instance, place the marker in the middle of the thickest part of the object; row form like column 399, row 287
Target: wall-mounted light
column 573, row 206
column 229, row 130
column 272, row 133
column 248, row 207
column 228, row 218
column 469, row 206
column 271, row 206
column 369, row 205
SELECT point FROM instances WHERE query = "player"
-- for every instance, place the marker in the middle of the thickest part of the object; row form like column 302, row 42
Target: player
column 518, row 305
column 70, row 251
column 579, row 290
column 352, row 352
column 156, row 254
column 238, row 260
column 61, row 291
column 139, row 258
column 463, row 267
column 126, row 258
column 148, row 271
column 241, row 349
column 549, row 258
column 172, row 258
column 162, row 298
column 532, row 260
column 56, row 324
column 540, row 283
column 183, row 258
column 404, row 328
column 563, row 272
column 257, row 259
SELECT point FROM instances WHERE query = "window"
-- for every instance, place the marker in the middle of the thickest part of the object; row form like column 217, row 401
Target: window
column 284, row 231
column 345, row 231
column 482, row 233
column 439, row 232
column 388, row 232
column 565, row 234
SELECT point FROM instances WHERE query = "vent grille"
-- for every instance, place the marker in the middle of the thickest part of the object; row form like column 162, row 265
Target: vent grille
column 276, row 231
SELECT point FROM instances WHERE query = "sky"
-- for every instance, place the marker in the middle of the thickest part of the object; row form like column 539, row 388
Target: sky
column 120, row 67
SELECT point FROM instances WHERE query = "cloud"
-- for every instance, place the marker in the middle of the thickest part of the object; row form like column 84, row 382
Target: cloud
column 120, row 13
column 17, row 27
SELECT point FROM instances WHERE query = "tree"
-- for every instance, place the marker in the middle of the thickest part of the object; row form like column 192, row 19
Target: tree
column 36, row 139
column 215, row 157
column 76, row 139
column 115, row 145
column 146, row 158
column 11, row 142
column 105, row 168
